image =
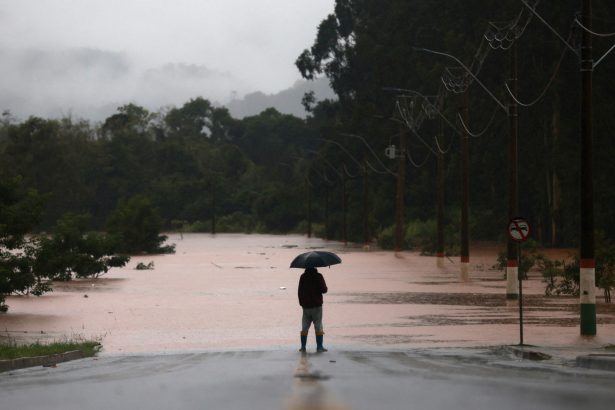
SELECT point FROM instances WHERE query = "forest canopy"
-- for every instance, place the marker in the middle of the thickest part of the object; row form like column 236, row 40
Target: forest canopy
column 203, row 170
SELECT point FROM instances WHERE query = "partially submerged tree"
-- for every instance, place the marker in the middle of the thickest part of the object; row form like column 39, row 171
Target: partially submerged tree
column 71, row 251
column 20, row 211
column 135, row 225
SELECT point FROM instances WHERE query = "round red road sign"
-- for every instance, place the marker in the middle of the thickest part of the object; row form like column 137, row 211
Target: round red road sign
column 518, row 229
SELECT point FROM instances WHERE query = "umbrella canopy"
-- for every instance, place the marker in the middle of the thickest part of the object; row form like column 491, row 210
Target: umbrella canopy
column 315, row 259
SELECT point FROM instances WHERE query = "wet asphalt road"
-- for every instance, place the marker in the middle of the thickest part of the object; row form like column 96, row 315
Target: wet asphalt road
column 479, row 378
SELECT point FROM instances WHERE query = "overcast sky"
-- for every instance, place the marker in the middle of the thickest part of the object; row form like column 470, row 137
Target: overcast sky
column 86, row 57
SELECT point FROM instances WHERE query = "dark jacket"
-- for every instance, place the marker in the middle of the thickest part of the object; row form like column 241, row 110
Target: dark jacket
column 311, row 287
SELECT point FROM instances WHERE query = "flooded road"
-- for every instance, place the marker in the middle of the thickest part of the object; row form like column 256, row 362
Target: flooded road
column 237, row 292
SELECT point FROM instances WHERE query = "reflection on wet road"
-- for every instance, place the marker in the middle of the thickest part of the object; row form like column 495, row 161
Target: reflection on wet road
column 422, row 379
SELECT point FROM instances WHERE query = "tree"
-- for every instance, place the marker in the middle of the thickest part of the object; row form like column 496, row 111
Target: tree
column 136, row 226
column 71, row 251
column 20, row 212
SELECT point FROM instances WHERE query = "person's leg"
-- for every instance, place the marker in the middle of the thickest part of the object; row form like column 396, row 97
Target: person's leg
column 306, row 321
column 317, row 318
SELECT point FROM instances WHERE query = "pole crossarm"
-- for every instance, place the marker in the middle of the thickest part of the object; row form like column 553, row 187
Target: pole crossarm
column 483, row 86
column 439, row 102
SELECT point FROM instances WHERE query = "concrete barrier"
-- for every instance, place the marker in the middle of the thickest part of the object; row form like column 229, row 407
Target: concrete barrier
column 598, row 361
column 49, row 360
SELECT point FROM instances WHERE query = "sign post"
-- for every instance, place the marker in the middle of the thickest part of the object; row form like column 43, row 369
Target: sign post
column 519, row 231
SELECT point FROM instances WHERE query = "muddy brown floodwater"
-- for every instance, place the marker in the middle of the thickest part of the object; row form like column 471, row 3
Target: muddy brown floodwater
column 237, row 292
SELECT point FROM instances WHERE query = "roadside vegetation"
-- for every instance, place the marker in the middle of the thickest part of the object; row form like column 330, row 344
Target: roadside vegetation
column 562, row 276
column 13, row 350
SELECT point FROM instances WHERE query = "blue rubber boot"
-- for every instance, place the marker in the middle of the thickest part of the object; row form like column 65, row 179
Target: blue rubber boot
column 319, row 347
column 303, row 343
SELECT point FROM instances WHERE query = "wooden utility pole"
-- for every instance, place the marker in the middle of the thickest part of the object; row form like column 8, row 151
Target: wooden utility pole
column 465, row 193
column 327, row 211
column 512, row 265
column 213, row 206
column 440, row 211
column 366, row 235
column 401, row 184
column 309, row 208
column 588, row 263
column 344, row 209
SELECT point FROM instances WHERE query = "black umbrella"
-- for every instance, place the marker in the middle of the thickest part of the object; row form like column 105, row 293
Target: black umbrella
column 315, row 259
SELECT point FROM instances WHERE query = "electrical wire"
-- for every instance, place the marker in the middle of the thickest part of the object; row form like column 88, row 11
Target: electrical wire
column 348, row 174
column 369, row 165
column 576, row 20
column 533, row 10
column 414, row 164
column 372, row 151
column 411, row 127
column 343, row 149
column 440, row 150
column 423, row 141
column 541, row 95
column 604, row 55
column 480, row 134
column 319, row 154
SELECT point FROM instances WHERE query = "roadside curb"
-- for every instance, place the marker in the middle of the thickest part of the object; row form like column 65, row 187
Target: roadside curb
column 49, row 360
column 523, row 352
column 600, row 361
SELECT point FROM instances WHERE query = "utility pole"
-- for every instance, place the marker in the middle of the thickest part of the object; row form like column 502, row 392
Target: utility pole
column 401, row 184
column 365, row 206
column 440, row 212
column 213, row 206
column 512, row 266
column 588, row 263
column 344, row 210
column 327, row 212
column 465, row 193
column 309, row 208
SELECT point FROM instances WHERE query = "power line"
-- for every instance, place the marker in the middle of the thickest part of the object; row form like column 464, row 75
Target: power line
column 576, row 20
column 430, row 108
column 414, row 164
column 541, row 95
column 480, row 134
column 533, row 10
column 371, row 150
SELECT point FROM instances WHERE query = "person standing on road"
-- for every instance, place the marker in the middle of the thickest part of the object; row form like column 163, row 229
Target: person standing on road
column 311, row 287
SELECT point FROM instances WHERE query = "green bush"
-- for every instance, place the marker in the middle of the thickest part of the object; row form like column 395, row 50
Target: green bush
column 386, row 238
column 422, row 235
column 237, row 222
column 561, row 277
column 529, row 257
column 71, row 250
column 136, row 224
column 198, row 227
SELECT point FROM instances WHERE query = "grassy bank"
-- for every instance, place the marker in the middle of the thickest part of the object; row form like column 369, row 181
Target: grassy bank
column 11, row 350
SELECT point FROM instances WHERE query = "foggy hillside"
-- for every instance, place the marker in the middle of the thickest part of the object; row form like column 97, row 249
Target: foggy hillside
column 286, row 101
